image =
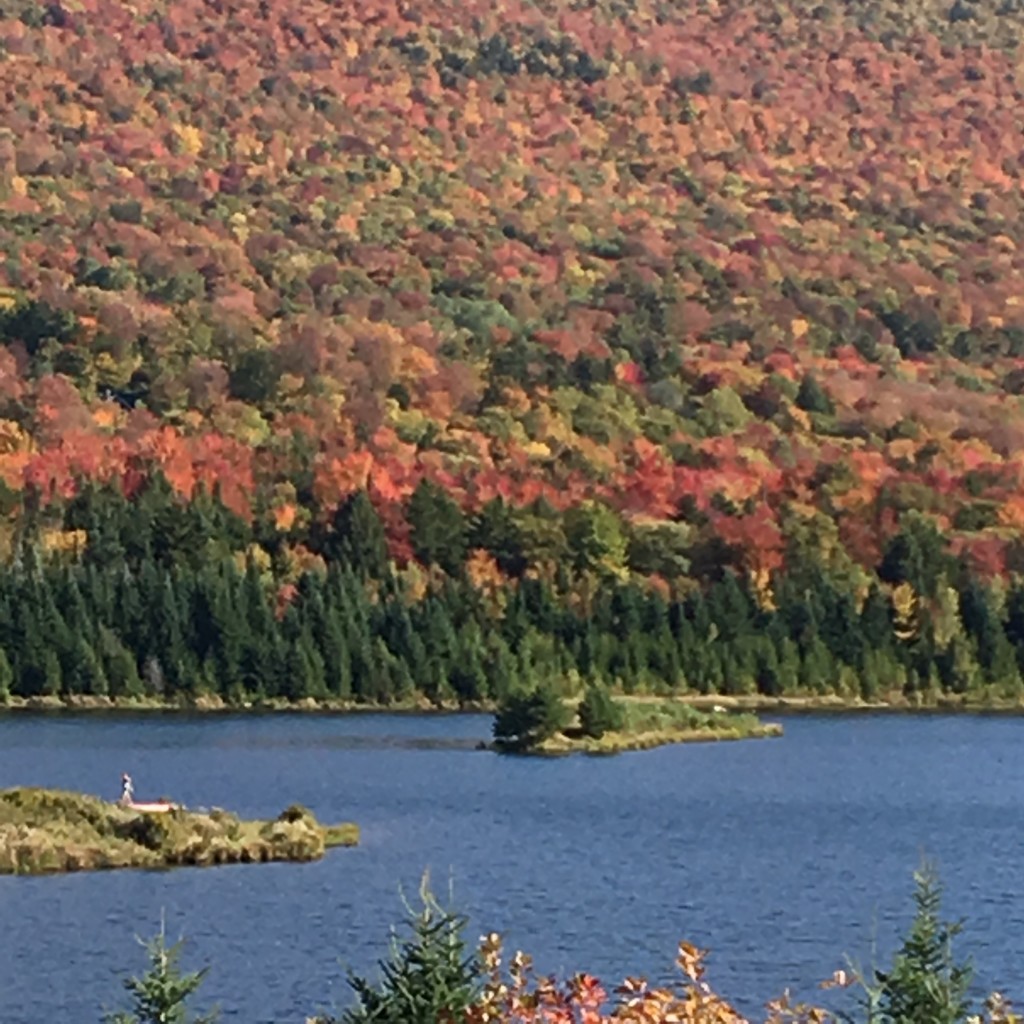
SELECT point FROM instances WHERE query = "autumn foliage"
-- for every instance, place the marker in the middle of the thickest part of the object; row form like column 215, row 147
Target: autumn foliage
column 728, row 263
column 521, row 998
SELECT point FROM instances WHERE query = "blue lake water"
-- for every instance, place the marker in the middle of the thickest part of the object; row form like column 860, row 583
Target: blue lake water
column 779, row 855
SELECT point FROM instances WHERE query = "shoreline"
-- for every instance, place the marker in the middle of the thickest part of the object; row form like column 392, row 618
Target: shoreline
column 787, row 705
column 206, row 705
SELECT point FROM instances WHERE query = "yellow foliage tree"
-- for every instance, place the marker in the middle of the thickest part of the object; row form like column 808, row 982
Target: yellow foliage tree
column 905, row 607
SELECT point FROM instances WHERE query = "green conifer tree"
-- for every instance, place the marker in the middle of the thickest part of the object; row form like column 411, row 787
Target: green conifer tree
column 597, row 541
column 434, row 683
column 925, row 984
column 958, row 666
column 730, row 608
column 916, row 554
column 52, row 678
column 599, row 712
column 429, row 977
column 525, row 719
column 161, row 995
column 337, row 661
column 817, row 670
column 360, row 648
column 496, row 529
column 788, row 665
column 812, row 397
column 6, row 678
column 231, row 633
column 357, row 537
column 118, row 665
column 768, row 676
column 438, row 527
column 467, row 676
column 89, row 677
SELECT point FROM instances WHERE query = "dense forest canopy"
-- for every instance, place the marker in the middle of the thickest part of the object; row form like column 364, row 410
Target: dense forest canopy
column 616, row 297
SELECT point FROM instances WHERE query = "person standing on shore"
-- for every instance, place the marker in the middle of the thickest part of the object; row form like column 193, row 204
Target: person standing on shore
column 127, row 788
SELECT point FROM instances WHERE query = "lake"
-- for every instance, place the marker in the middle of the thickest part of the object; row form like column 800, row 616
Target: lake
column 779, row 855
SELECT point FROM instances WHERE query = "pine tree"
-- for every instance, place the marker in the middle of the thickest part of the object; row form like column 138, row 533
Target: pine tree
column 360, row 648
column 500, row 667
column 599, row 713
column 72, row 607
column 119, row 666
column 812, row 397
column 958, row 666
column 438, row 527
column 435, row 627
column 337, row 662
column 817, row 668
column 925, row 984
column 768, row 676
column 177, row 535
column 917, row 555
column 230, row 631
column 316, row 665
column 524, row 720
column 164, row 628
column 89, row 676
column 789, row 665
column 433, row 683
column 52, row 678
column 160, row 995
column 467, row 676
column 397, row 629
column 597, row 542
column 730, row 608
column 304, row 669
column 154, row 680
column 876, row 620
column 428, row 977
column 840, row 627
column 357, row 537
column 383, row 681
column 982, row 621
column 663, row 658
column 6, row 677
column 702, row 663
column 496, row 530
column 1015, row 618
column 404, row 686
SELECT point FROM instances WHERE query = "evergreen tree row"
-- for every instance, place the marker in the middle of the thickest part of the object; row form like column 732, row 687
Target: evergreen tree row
column 160, row 602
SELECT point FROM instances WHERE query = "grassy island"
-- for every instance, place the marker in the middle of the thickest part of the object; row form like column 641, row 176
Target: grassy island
column 44, row 831
column 540, row 722
column 655, row 725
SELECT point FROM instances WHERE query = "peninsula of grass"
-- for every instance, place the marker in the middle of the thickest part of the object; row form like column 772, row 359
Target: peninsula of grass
column 540, row 722
column 658, row 725
column 46, row 831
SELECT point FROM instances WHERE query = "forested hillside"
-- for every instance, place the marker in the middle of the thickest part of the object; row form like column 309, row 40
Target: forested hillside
column 717, row 306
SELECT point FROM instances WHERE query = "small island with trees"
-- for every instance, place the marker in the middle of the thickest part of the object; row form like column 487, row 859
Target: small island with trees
column 538, row 721
column 46, row 831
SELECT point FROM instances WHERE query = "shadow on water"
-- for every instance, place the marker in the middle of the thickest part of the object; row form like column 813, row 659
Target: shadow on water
column 354, row 743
